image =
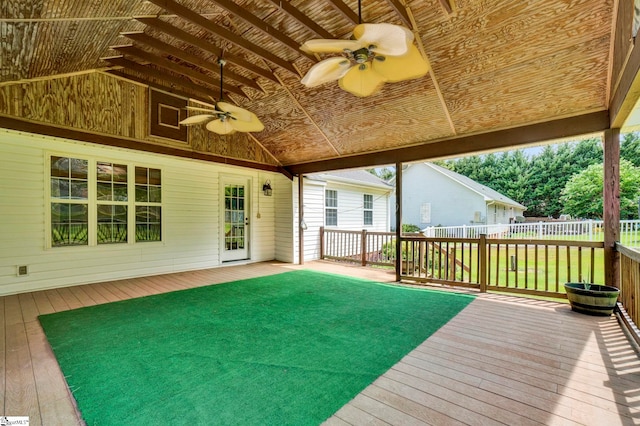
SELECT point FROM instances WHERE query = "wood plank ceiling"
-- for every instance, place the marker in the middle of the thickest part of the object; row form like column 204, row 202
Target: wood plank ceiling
column 496, row 64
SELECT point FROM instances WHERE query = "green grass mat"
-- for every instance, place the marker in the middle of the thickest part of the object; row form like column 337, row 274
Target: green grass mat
column 291, row 348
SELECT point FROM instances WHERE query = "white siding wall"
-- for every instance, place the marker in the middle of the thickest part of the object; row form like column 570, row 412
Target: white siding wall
column 350, row 211
column 190, row 208
column 451, row 203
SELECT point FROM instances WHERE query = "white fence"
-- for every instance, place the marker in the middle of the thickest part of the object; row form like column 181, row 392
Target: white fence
column 586, row 230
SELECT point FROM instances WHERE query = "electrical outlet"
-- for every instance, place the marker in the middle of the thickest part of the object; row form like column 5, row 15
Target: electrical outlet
column 22, row 270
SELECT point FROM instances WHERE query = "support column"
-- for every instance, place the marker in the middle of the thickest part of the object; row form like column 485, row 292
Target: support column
column 398, row 219
column 300, row 220
column 611, row 207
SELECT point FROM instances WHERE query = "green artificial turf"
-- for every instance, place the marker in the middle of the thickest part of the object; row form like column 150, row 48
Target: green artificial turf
column 291, row 348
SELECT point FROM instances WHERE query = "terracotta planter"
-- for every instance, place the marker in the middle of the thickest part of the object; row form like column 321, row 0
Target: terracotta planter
column 592, row 299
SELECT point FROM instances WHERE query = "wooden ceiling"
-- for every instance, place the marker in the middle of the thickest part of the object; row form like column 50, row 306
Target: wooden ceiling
column 496, row 65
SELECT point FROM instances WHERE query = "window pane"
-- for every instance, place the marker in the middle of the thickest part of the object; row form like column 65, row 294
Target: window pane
column 141, row 175
column 154, row 194
column 79, row 168
column 142, row 193
column 79, row 189
column 368, row 217
column 120, row 173
column 154, row 177
column 120, row 192
column 104, row 172
column 331, row 217
column 60, row 167
column 103, row 191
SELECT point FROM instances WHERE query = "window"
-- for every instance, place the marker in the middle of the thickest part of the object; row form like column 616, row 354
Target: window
column 331, row 207
column 69, row 202
column 111, row 195
column 148, row 208
column 368, row 209
column 93, row 202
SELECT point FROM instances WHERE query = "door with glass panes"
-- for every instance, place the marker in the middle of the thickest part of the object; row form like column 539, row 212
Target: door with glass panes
column 235, row 217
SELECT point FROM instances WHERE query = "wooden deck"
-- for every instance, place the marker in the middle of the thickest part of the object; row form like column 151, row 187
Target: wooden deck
column 503, row 360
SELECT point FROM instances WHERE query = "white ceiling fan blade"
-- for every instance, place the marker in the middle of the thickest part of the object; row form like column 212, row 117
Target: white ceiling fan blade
column 255, row 125
column 327, row 70
column 388, row 39
column 400, row 68
column 239, row 113
column 330, row 45
column 362, row 81
column 197, row 119
column 220, row 127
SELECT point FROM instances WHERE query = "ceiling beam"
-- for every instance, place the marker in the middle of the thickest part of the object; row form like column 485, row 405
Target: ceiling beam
column 345, row 11
column 204, row 23
column 401, row 11
column 160, row 75
column 302, row 19
column 161, row 62
column 169, row 49
column 500, row 139
column 261, row 25
column 186, row 37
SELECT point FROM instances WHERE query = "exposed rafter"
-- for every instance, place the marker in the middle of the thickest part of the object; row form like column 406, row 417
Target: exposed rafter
column 204, row 45
column 151, row 73
column 345, row 11
column 172, row 66
column 261, row 25
column 446, row 5
column 302, row 18
column 401, row 10
column 149, row 41
column 224, row 33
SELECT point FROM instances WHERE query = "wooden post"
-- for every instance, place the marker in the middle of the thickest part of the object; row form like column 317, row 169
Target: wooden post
column 611, row 207
column 321, row 242
column 363, row 247
column 398, row 219
column 482, row 262
column 300, row 220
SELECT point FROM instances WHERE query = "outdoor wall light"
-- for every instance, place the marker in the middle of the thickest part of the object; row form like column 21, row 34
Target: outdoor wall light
column 266, row 188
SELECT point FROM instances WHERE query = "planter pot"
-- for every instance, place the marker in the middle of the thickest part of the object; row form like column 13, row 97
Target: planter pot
column 592, row 299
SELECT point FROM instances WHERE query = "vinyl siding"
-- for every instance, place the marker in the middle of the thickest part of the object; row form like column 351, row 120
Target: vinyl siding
column 190, row 209
column 350, row 211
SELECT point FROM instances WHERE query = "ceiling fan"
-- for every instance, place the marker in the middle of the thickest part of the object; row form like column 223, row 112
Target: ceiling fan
column 224, row 118
column 376, row 54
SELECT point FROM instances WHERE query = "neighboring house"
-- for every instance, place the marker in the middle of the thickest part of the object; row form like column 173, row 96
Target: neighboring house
column 435, row 196
column 346, row 200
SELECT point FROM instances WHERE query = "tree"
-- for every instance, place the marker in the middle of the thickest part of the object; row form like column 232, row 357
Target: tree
column 384, row 173
column 582, row 196
column 630, row 148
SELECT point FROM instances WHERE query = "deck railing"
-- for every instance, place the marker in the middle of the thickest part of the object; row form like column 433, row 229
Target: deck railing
column 630, row 288
column 538, row 267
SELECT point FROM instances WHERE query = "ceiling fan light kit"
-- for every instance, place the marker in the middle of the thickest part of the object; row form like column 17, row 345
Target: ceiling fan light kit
column 377, row 54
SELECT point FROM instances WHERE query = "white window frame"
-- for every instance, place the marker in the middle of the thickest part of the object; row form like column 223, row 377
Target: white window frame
column 92, row 201
column 330, row 208
column 367, row 208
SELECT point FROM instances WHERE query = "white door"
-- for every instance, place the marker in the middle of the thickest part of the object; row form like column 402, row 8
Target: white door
column 235, row 216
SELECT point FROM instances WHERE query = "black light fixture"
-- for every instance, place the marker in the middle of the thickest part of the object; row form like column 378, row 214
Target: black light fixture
column 266, row 188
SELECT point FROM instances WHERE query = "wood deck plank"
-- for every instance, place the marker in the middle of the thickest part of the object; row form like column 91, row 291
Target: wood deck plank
column 21, row 397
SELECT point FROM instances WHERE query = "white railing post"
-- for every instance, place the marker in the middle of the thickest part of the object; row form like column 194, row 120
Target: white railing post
column 539, row 230
column 464, row 231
